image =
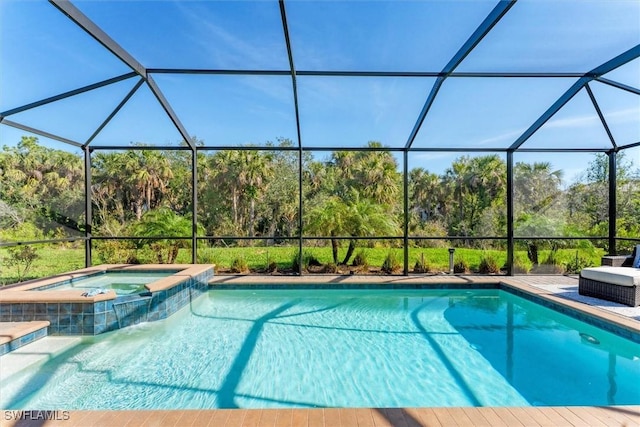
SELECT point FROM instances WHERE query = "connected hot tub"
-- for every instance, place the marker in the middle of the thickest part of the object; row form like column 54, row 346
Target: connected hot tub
column 105, row 298
column 122, row 282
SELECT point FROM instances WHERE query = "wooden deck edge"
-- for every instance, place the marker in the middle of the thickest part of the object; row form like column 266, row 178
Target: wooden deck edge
column 335, row 417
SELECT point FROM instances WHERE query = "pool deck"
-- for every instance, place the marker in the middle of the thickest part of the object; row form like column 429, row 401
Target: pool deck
column 555, row 288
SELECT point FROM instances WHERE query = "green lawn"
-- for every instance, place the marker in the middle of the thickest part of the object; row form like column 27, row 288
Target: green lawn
column 57, row 259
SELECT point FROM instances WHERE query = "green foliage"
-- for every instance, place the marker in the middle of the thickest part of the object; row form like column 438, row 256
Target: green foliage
column 460, row 266
column 40, row 185
column 330, row 268
column 272, row 267
column 360, row 260
column 147, row 193
column 22, row 232
column 429, row 229
column 488, row 265
column 576, row 265
column 206, row 256
column 52, row 259
column 521, row 264
column 421, row 265
column 308, row 260
column 21, row 257
column 551, row 264
column 115, row 252
column 552, row 258
column 391, row 264
column 164, row 222
column 239, row 265
column 475, row 184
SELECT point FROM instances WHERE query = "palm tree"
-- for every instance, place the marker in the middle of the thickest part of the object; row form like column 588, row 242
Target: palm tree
column 148, row 173
column 255, row 170
column 329, row 217
column 366, row 218
column 425, row 192
column 537, row 192
column 354, row 216
column 164, row 222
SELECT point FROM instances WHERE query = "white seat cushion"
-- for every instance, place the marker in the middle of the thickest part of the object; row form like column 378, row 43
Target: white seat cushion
column 623, row 276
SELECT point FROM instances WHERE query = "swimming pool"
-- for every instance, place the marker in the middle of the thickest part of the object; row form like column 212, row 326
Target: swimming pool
column 337, row 348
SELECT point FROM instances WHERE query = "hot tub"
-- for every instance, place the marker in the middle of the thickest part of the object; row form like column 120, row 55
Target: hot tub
column 65, row 300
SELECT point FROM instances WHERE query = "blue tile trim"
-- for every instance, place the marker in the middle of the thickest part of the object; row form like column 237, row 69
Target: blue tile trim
column 584, row 317
column 99, row 317
column 23, row 340
column 356, row 286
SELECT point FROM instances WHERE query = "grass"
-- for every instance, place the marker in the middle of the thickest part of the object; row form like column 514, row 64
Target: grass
column 54, row 259
column 51, row 260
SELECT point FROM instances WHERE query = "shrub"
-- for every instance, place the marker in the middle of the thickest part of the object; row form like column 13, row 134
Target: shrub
column 488, row 265
column 551, row 264
column 552, row 258
column 430, row 229
column 272, row 267
column 421, row 265
column 205, row 256
column 360, row 260
column 239, row 265
column 391, row 264
column 116, row 252
column 460, row 266
column 521, row 264
column 577, row 264
column 295, row 261
column 330, row 268
column 308, row 259
column 22, row 258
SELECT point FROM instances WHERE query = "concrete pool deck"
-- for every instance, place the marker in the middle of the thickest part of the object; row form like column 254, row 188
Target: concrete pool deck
column 563, row 289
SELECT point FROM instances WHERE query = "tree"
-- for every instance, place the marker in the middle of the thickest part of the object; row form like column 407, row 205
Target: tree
column 353, row 194
column 238, row 183
column 538, row 203
column 164, row 223
column 42, row 185
column 588, row 198
column 477, row 184
column 354, row 216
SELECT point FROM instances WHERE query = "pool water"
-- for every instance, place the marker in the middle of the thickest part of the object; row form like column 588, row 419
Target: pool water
column 121, row 282
column 317, row 348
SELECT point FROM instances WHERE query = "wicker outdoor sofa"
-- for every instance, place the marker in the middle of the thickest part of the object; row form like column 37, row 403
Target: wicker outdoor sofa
column 618, row 282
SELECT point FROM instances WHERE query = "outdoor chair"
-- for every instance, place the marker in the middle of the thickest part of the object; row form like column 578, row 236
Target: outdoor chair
column 614, row 283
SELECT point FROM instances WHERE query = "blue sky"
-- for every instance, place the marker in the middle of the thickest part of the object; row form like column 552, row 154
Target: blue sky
column 42, row 53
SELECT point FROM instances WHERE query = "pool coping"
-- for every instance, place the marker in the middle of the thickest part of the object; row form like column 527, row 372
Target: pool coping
column 623, row 325
column 71, row 313
column 25, row 292
column 557, row 302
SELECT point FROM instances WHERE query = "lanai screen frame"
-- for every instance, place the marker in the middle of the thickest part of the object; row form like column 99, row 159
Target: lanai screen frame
column 145, row 76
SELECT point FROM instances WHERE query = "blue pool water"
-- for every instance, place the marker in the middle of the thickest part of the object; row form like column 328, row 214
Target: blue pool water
column 365, row 348
column 121, row 282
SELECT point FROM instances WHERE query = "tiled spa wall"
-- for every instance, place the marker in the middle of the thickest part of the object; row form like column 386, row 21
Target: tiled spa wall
column 103, row 316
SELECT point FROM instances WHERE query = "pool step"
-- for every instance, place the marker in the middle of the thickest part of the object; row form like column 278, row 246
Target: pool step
column 14, row 335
